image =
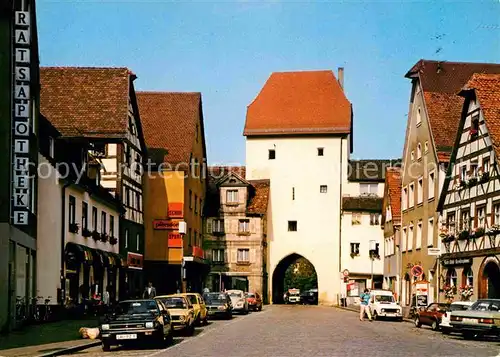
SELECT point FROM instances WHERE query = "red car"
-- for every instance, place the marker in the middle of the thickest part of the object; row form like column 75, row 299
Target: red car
column 254, row 301
column 431, row 315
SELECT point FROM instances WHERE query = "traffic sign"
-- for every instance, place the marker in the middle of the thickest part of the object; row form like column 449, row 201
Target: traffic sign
column 345, row 272
column 433, row 251
column 417, row 270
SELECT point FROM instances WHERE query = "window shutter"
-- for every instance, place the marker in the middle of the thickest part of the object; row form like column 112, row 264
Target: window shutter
column 209, row 226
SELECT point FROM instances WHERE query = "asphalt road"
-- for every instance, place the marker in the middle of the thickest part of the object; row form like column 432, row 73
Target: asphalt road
column 311, row 331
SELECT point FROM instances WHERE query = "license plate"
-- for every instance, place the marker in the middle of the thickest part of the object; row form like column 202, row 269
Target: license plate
column 211, row 312
column 470, row 321
column 126, row 337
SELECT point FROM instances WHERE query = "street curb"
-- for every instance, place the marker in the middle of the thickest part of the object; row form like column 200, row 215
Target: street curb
column 71, row 349
column 354, row 310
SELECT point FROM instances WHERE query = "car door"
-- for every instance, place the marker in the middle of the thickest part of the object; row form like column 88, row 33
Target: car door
column 164, row 317
column 428, row 313
column 203, row 307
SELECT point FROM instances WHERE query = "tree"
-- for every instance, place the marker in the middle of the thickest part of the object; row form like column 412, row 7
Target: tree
column 301, row 275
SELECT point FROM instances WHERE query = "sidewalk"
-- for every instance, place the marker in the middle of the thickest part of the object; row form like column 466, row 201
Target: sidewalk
column 37, row 340
column 356, row 309
column 50, row 349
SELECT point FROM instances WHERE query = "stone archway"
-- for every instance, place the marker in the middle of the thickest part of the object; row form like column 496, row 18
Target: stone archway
column 489, row 278
column 278, row 278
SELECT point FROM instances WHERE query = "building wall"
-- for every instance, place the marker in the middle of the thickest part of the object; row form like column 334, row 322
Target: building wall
column 296, row 175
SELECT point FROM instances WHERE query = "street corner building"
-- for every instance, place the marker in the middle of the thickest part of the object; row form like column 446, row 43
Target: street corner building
column 299, row 136
column 175, row 190
column 362, row 239
column 19, row 108
column 236, row 231
column 434, row 114
column 470, row 200
column 95, row 133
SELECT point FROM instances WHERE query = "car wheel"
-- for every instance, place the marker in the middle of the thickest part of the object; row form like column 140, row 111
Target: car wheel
column 106, row 347
column 434, row 325
column 417, row 322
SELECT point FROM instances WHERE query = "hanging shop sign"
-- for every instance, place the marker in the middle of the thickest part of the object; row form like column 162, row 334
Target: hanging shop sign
column 165, row 225
column 175, row 240
column 176, row 210
column 22, row 186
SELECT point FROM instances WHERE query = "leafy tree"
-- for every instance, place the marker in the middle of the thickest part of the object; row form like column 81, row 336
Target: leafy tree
column 301, row 275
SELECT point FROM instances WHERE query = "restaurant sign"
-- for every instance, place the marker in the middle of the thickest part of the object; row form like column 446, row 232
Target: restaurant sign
column 457, row 261
column 22, row 119
column 165, row 224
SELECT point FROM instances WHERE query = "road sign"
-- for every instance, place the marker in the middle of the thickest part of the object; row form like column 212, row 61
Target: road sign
column 433, row 251
column 345, row 272
column 417, row 270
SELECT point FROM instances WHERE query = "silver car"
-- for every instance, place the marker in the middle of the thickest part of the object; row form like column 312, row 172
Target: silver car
column 482, row 318
column 239, row 301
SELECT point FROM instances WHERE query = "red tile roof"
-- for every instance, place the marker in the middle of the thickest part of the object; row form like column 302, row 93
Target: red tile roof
column 86, row 101
column 440, row 83
column 260, row 198
column 169, row 122
column 307, row 102
column 487, row 90
column 393, row 193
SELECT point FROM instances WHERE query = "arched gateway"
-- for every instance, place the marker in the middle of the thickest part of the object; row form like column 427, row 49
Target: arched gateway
column 489, row 278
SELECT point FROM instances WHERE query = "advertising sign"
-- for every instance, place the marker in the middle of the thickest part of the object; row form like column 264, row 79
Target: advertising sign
column 174, row 240
column 165, row 224
column 176, row 210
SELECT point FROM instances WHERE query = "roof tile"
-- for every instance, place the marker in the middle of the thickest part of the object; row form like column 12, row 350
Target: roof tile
column 393, row 184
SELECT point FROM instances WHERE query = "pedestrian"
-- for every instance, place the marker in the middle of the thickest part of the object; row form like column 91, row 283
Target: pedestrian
column 364, row 302
column 149, row 292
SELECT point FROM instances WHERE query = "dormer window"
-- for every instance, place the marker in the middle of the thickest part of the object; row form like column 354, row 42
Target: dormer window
column 232, row 196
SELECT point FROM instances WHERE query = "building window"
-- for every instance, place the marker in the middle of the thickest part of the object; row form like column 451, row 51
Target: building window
column 468, row 277
column 111, row 226
column 85, row 214
column 321, row 151
column 474, row 169
column 195, row 204
column 190, row 198
column 218, row 226
column 404, row 239
column 451, row 277
column 368, row 189
column 480, row 216
column 426, row 146
column 418, row 242
column 195, row 238
column 127, row 196
column 355, row 219
column 126, row 239
column 450, row 223
column 419, row 116
column 232, row 196
column 244, row 226
column 463, row 173
column 405, row 198
column 138, row 201
column 218, row 255
column 496, row 214
column 465, row 219
column 94, row 219
column 430, row 232
column 411, row 195
column 323, row 188
column 292, row 226
column 412, row 155
column 410, row 238
column 72, row 210
column 486, row 164
column 354, row 249
column 272, row 154
column 419, row 151
column 420, row 190
column 189, row 237
column 374, row 219
column 293, row 193
column 103, row 222
column 51, row 147
column 243, row 255
column 431, row 183
column 128, row 155
column 138, row 242
column 474, row 129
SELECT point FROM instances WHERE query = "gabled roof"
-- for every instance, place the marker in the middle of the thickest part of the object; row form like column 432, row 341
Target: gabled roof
column 440, row 82
column 89, row 102
column 169, row 121
column 232, row 179
column 370, row 169
column 392, row 194
column 305, row 102
column 486, row 89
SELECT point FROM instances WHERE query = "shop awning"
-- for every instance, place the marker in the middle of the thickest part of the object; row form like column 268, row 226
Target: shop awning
column 78, row 253
column 112, row 259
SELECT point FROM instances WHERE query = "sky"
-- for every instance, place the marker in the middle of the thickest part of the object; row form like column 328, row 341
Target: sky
column 226, row 50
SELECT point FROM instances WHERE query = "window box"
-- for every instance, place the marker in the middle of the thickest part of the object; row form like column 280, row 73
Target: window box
column 485, row 176
column 463, row 184
column 244, row 233
column 464, row 235
column 113, row 240
column 96, row 235
column 472, row 182
column 104, row 237
column 448, row 238
column 478, row 232
column 86, row 232
column 218, row 233
column 232, row 204
column 354, row 255
column 243, row 263
column 493, row 231
column 74, row 228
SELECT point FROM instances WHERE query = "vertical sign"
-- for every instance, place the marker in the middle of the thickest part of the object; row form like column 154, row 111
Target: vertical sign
column 22, row 119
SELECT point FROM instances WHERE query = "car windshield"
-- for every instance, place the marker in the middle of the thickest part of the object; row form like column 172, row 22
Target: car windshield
column 384, row 298
column 458, row 307
column 215, row 299
column 174, row 303
column 192, row 298
column 136, row 307
column 486, row 305
column 250, row 295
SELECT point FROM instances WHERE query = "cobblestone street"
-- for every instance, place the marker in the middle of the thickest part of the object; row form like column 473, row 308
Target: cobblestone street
column 312, row 331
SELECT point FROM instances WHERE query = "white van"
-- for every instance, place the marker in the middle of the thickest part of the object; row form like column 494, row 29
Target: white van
column 383, row 304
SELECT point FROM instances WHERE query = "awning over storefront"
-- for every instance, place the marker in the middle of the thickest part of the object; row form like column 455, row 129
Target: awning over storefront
column 78, row 253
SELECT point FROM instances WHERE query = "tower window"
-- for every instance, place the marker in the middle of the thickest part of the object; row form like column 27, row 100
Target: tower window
column 321, row 151
column 272, row 154
column 292, row 226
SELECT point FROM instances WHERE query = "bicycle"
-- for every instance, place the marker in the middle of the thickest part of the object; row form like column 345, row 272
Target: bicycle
column 47, row 315
column 36, row 308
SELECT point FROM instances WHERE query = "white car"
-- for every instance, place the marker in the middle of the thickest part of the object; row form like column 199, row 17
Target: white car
column 383, row 304
column 445, row 326
column 239, row 301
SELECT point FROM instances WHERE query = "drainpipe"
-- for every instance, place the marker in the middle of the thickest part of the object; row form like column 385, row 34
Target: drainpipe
column 340, row 210
column 63, row 231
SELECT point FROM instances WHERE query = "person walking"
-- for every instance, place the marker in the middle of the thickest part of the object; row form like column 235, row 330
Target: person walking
column 149, row 292
column 364, row 305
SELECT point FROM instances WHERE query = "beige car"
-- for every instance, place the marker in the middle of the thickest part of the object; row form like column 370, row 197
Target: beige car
column 200, row 309
column 181, row 311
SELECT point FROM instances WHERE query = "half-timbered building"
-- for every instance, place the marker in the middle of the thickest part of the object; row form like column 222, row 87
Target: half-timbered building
column 470, row 200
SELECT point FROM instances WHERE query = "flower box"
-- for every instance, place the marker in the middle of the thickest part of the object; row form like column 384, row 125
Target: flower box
column 448, row 238
column 104, row 237
column 478, row 232
column 113, row 240
column 73, row 228
column 96, row 236
column 472, row 182
column 86, row 233
column 464, row 235
column 463, row 184
column 484, row 177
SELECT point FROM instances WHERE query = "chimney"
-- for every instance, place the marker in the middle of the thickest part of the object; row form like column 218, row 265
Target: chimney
column 341, row 77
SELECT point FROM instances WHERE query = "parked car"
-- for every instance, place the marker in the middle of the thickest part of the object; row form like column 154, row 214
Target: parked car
column 218, row 305
column 134, row 321
column 239, row 302
column 200, row 309
column 309, row 297
column 384, row 305
column 254, row 301
column 181, row 310
column 293, row 296
column 445, row 326
column 482, row 318
column 431, row 315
